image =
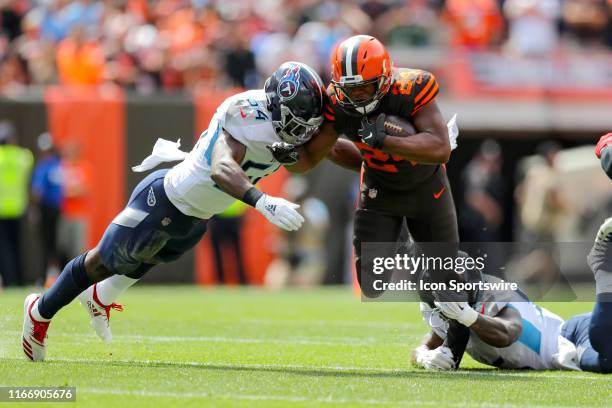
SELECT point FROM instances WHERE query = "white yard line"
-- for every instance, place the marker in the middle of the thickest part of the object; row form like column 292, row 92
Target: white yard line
column 332, row 323
column 341, row 369
column 304, row 340
column 294, row 398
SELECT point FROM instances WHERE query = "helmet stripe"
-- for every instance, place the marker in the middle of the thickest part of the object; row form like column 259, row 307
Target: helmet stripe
column 351, row 56
column 343, row 59
column 356, row 45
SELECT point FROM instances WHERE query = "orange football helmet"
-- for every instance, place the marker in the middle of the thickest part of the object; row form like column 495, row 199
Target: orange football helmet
column 361, row 73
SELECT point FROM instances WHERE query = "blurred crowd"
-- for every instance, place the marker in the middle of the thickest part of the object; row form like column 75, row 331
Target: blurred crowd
column 175, row 44
column 48, row 192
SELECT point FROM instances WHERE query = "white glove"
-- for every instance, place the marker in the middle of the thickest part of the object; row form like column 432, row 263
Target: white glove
column 459, row 311
column 567, row 356
column 440, row 358
column 280, row 212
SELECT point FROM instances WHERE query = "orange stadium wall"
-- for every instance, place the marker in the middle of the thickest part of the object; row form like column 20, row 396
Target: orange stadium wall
column 95, row 118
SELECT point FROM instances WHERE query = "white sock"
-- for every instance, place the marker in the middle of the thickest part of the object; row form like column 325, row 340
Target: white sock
column 36, row 315
column 109, row 289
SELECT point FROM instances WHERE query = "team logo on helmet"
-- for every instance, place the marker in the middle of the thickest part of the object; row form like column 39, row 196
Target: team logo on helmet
column 288, row 85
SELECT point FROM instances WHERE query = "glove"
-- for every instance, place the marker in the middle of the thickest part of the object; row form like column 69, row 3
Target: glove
column 453, row 131
column 440, row 358
column 280, row 212
column 459, row 311
column 567, row 356
column 373, row 134
column 284, row 153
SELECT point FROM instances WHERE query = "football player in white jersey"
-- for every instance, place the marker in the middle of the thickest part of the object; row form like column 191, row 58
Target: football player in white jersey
column 519, row 334
column 508, row 331
column 249, row 137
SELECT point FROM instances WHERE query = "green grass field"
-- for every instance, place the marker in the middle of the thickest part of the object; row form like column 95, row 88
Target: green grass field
column 188, row 346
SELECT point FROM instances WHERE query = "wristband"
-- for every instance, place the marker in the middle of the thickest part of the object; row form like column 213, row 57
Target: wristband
column 251, row 196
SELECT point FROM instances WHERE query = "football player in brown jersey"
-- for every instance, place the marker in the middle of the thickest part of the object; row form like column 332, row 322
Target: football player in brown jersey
column 403, row 179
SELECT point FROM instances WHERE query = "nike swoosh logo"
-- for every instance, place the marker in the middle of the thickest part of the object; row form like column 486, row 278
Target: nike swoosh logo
column 369, row 136
column 439, row 194
column 244, row 115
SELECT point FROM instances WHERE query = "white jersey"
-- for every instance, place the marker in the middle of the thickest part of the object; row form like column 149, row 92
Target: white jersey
column 246, row 118
column 535, row 347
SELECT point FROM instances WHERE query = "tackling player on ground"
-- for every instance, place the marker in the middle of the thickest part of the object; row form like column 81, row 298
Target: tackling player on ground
column 168, row 211
column 519, row 334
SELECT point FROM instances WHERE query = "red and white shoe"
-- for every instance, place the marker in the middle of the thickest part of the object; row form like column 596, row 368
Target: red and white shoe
column 34, row 332
column 98, row 312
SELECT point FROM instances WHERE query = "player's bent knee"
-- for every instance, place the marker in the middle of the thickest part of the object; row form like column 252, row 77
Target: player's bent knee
column 94, row 267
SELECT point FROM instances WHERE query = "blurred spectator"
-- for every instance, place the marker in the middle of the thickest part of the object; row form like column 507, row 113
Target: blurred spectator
column 586, row 20
column 301, row 255
column 76, row 184
column 10, row 19
column 240, row 61
column 414, row 24
column 225, row 236
column 484, row 196
column 38, row 54
column 476, row 24
column 47, row 194
column 608, row 31
column 542, row 205
column 13, row 75
column 15, row 167
column 80, row 61
column 533, row 26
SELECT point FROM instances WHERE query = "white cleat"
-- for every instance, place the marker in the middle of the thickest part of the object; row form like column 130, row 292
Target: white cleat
column 34, row 332
column 98, row 312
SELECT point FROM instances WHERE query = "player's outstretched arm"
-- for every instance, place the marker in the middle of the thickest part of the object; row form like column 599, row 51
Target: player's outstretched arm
column 498, row 331
column 345, row 154
column 315, row 150
column 501, row 330
column 430, row 145
column 225, row 168
column 228, row 175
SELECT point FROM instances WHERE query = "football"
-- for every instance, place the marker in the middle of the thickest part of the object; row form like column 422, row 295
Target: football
column 396, row 126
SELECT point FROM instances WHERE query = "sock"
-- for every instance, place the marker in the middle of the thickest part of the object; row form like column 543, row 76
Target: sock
column 36, row 314
column 72, row 281
column 109, row 289
column 600, row 331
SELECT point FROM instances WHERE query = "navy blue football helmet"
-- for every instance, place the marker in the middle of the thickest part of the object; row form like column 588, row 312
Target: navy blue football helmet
column 295, row 98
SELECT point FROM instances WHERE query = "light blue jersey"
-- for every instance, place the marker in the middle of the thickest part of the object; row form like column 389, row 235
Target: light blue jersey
column 538, row 342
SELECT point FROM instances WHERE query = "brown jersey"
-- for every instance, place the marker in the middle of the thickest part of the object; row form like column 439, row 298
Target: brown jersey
column 411, row 90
